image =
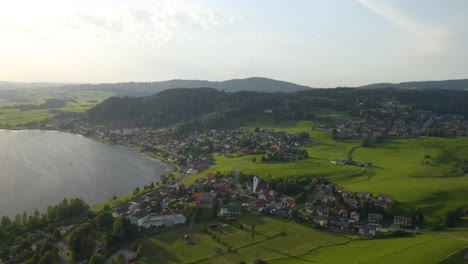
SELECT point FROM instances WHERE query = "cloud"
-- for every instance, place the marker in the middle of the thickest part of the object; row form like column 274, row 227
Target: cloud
column 426, row 38
column 161, row 24
column 155, row 24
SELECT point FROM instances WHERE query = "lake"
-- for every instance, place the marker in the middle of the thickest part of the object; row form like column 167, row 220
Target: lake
column 40, row 168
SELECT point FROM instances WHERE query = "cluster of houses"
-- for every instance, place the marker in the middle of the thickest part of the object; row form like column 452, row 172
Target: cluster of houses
column 193, row 151
column 338, row 210
column 398, row 122
column 347, row 211
column 153, row 209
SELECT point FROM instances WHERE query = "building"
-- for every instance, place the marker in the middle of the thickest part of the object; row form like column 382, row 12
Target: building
column 402, row 220
column 138, row 217
column 229, row 209
column 165, row 218
column 374, row 218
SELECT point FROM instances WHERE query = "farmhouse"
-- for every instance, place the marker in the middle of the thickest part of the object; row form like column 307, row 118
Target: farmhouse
column 402, row 220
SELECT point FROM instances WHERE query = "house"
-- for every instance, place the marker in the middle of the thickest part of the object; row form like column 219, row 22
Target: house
column 354, row 215
column 366, row 230
column 323, row 211
column 346, row 194
column 309, row 209
column 343, row 213
column 288, row 202
column 384, row 197
column 256, row 205
column 268, row 196
column 402, row 220
column 339, row 225
column 328, row 199
column 207, row 200
column 197, row 196
column 381, row 204
column 363, row 195
column 229, row 209
column 121, row 210
column 374, row 218
column 351, row 202
column 320, row 220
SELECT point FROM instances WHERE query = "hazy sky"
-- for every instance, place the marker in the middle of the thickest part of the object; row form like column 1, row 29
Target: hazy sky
column 320, row 43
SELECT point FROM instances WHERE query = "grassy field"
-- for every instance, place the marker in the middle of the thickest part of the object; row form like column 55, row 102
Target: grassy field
column 84, row 100
column 401, row 171
column 14, row 117
column 427, row 248
column 281, row 241
column 274, row 238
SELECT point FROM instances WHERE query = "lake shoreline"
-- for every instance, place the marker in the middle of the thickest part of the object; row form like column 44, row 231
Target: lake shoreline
column 72, row 163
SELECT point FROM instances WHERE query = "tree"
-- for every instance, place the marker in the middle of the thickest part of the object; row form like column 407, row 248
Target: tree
column 24, row 219
column 334, row 133
column 418, row 218
column 119, row 260
column 5, row 222
column 453, row 217
column 215, row 207
column 81, row 242
column 367, row 142
column 105, row 220
column 97, row 259
column 301, row 197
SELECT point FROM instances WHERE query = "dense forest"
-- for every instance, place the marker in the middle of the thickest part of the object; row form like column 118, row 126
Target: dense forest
column 203, row 108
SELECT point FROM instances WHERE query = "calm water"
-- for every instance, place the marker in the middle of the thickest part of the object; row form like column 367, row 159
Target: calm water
column 38, row 168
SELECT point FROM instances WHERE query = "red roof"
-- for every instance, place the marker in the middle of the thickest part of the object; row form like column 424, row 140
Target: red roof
column 197, row 196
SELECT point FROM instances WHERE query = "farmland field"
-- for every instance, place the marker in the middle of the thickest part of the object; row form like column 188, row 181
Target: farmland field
column 427, row 248
column 274, row 238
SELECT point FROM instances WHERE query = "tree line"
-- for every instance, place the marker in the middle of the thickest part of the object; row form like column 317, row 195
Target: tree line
column 202, row 108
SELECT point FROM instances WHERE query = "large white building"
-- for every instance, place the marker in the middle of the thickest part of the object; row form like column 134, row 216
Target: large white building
column 166, row 218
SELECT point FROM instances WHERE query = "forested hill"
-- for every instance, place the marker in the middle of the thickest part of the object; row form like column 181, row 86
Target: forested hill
column 459, row 85
column 148, row 88
column 201, row 108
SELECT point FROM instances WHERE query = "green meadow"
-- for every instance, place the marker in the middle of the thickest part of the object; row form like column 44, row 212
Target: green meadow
column 434, row 184
column 427, row 248
column 83, row 100
column 281, row 241
column 274, row 238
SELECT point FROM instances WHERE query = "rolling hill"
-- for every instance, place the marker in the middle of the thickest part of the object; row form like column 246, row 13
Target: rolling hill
column 256, row 84
column 446, row 85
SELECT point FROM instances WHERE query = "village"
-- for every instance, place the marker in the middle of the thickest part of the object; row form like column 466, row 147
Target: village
column 327, row 206
column 395, row 122
column 194, row 152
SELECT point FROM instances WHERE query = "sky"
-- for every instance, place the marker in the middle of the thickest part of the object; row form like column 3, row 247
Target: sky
column 319, row 43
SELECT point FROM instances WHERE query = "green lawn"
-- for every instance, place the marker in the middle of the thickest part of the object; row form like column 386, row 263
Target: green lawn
column 427, row 248
column 273, row 239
